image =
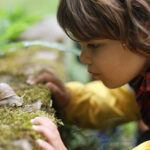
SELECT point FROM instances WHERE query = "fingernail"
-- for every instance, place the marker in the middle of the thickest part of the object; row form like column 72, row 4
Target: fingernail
column 39, row 141
column 30, row 82
column 32, row 120
column 37, row 118
column 35, row 127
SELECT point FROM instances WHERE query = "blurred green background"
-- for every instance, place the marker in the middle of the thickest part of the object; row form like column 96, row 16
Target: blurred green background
column 40, row 7
column 17, row 16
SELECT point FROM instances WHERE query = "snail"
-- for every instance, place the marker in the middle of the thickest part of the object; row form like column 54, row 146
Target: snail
column 8, row 96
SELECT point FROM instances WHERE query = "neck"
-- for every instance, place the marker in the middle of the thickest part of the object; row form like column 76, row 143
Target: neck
column 146, row 66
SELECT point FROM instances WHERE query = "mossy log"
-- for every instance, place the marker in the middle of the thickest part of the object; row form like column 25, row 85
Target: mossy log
column 15, row 67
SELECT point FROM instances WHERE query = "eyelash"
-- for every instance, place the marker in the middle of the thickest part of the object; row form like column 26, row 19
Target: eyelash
column 93, row 46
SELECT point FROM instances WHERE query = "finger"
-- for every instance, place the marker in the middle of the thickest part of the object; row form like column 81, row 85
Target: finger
column 43, row 77
column 30, row 80
column 43, row 121
column 51, row 135
column 54, row 89
column 44, row 145
column 48, row 75
column 56, row 93
column 53, row 77
column 49, row 70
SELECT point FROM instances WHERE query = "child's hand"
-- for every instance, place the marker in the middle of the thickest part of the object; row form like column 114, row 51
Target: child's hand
column 60, row 94
column 49, row 130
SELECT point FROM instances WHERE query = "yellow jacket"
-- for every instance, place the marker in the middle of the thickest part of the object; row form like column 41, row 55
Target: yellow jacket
column 95, row 106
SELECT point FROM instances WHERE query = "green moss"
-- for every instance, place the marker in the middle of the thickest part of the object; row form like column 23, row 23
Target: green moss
column 35, row 93
column 9, row 146
column 15, row 121
column 20, row 61
column 15, row 125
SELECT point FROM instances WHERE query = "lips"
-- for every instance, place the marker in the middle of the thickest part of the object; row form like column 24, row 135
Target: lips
column 93, row 74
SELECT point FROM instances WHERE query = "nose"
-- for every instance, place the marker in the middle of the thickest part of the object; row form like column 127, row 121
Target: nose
column 85, row 58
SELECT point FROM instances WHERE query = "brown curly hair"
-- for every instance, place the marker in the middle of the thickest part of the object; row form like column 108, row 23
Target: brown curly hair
column 125, row 20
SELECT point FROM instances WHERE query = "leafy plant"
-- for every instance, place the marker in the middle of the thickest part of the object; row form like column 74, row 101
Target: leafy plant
column 13, row 22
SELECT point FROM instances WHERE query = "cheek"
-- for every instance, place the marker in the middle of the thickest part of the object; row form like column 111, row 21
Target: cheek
column 112, row 73
column 118, row 67
column 114, row 78
column 107, row 66
column 115, row 75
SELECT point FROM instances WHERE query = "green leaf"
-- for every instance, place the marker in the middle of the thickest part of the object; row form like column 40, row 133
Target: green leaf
column 40, row 44
column 13, row 22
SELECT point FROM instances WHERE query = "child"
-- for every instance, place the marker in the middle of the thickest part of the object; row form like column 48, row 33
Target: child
column 115, row 40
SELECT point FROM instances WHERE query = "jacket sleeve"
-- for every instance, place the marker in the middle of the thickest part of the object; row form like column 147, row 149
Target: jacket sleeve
column 95, row 106
column 143, row 146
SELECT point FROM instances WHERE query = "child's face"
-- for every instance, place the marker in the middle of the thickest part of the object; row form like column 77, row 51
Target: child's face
column 111, row 62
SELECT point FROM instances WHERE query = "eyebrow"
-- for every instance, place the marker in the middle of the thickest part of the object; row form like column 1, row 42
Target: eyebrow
column 97, row 41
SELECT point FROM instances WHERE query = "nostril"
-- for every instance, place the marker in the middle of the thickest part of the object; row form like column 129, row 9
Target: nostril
column 85, row 60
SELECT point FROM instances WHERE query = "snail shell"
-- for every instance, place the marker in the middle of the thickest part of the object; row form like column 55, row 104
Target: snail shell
column 5, row 91
column 8, row 96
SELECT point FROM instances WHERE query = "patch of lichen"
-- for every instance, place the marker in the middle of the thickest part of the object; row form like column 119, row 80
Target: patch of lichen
column 15, row 124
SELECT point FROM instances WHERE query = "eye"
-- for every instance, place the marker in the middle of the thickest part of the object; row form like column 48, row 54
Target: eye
column 93, row 46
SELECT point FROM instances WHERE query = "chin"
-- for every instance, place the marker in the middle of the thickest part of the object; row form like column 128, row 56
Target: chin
column 111, row 85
